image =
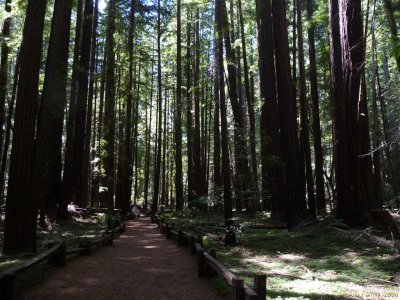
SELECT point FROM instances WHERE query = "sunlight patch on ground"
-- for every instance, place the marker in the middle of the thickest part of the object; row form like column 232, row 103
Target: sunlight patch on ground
column 150, row 247
column 292, row 257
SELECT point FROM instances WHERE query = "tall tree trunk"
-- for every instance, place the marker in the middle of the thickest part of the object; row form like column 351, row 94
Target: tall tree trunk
column 339, row 109
column 196, row 128
column 189, row 116
column 356, row 210
column 7, row 138
column 47, row 177
column 20, row 223
column 127, row 159
column 304, row 127
column 157, row 168
column 241, row 160
column 217, row 135
column 296, row 203
column 274, row 196
column 148, row 144
column 97, row 196
column 75, row 182
column 219, row 15
column 385, row 126
column 69, row 144
column 164, row 149
column 376, row 136
column 249, row 100
column 86, row 170
column 4, row 69
column 318, row 153
column 109, row 116
column 178, row 113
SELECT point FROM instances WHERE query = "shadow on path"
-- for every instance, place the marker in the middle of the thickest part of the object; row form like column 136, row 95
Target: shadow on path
column 141, row 264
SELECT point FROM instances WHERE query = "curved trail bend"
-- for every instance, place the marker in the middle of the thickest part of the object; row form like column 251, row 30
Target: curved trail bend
column 142, row 264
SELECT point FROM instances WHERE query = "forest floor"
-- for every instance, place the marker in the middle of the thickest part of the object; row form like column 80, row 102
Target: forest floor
column 320, row 261
column 141, row 264
column 69, row 231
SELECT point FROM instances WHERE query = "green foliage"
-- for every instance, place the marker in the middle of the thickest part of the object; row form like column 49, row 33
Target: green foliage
column 113, row 220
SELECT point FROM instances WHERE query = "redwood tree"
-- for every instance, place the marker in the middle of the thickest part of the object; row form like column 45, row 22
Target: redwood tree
column 109, row 117
column 20, row 224
column 47, row 181
column 289, row 145
column 178, row 113
column 274, row 195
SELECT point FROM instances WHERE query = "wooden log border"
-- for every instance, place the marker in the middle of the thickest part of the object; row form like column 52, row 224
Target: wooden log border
column 56, row 255
column 208, row 265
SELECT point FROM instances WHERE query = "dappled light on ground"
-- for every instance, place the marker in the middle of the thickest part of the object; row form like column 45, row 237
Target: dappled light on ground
column 141, row 264
column 311, row 266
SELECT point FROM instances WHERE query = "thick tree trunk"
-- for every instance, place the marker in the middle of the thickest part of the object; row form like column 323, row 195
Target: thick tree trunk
column 274, row 195
column 217, row 136
column 296, row 202
column 124, row 198
column 148, row 142
column 197, row 172
column 189, row 115
column 178, row 113
column 241, row 161
column 339, row 110
column 356, row 210
column 226, row 176
column 304, row 127
column 109, row 116
column 69, row 144
column 47, row 178
column 157, row 167
column 74, row 183
column 318, row 153
column 249, row 100
column 86, row 169
column 20, row 224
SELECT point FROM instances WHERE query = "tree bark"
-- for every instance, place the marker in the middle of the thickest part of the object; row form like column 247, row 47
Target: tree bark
column 157, row 167
column 296, row 202
column 304, row 112
column 224, row 124
column 217, row 135
column 189, row 115
column 109, row 116
column 74, row 184
column 274, row 195
column 69, row 144
column 249, row 100
column 47, row 178
column 241, row 160
column 356, row 207
column 87, row 168
column 20, row 223
column 178, row 113
column 318, row 153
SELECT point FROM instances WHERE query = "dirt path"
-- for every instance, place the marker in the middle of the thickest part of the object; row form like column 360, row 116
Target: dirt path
column 142, row 264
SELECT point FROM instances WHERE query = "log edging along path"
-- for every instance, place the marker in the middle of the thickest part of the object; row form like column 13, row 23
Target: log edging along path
column 209, row 266
column 143, row 264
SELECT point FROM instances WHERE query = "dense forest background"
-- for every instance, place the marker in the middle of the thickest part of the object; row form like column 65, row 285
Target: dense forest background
column 286, row 107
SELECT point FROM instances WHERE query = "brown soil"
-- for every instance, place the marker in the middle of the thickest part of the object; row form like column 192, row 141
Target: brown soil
column 142, row 264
